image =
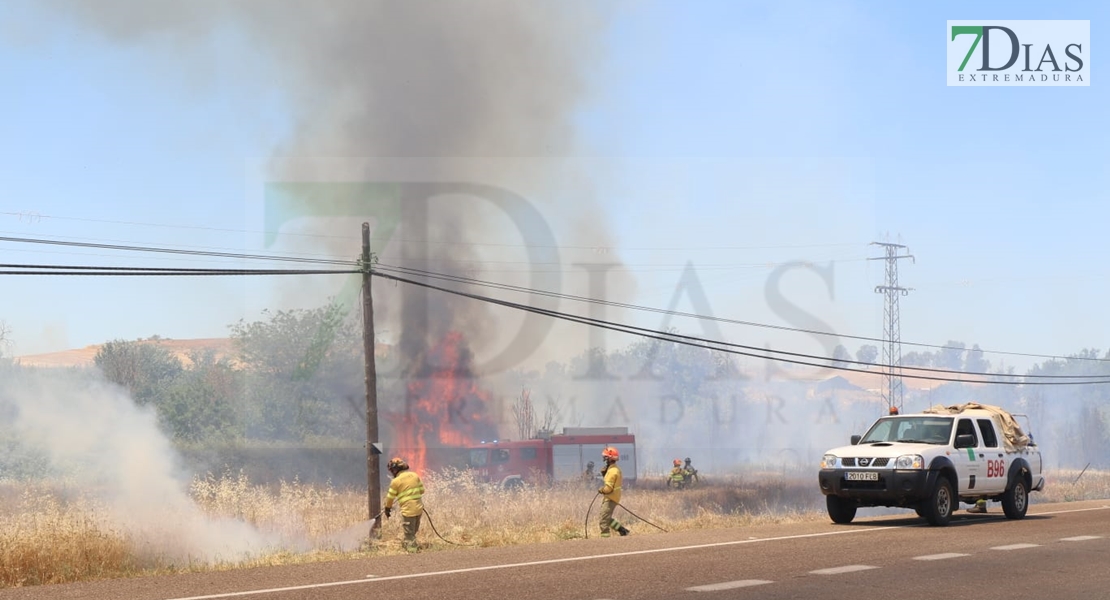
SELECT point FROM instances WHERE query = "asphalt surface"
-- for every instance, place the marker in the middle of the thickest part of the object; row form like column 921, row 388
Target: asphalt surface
column 1058, row 550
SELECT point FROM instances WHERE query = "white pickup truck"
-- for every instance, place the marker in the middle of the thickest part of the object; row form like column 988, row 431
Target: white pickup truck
column 933, row 460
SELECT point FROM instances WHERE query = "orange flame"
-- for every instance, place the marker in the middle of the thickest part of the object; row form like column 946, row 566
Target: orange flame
column 444, row 407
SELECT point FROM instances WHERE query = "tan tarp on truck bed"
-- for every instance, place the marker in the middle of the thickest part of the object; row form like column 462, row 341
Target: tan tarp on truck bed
column 1014, row 438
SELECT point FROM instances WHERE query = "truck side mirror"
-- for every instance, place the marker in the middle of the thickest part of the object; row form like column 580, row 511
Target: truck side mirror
column 965, row 440
column 855, row 439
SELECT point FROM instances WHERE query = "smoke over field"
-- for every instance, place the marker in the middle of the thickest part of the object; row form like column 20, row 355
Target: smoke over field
column 88, row 437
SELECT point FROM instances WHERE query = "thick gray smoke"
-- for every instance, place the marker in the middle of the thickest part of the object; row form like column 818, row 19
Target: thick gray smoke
column 482, row 92
column 91, row 434
column 472, row 105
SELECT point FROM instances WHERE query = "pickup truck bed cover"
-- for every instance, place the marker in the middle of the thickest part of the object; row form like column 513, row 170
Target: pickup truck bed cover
column 1014, row 438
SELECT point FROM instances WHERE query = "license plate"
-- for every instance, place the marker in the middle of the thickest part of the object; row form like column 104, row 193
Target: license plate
column 861, row 476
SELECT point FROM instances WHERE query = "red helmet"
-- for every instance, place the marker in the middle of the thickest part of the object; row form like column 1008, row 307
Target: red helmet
column 678, row 462
column 610, row 453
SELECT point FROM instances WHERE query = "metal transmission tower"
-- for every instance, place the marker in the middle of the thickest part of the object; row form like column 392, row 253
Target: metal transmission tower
column 892, row 335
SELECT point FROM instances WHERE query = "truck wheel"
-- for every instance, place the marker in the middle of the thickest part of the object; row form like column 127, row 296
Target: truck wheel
column 1015, row 501
column 938, row 508
column 840, row 510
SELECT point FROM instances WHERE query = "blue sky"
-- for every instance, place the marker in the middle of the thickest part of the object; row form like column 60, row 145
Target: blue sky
column 726, row 134
column 998, row 192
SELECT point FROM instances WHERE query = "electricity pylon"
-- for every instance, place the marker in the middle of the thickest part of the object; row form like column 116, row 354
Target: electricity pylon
column 892, row 335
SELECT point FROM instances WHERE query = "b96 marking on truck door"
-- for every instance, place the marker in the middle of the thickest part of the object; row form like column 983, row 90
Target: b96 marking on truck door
column 996, row 468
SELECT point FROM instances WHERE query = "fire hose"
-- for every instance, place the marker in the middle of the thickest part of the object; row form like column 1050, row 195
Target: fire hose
column 433, row 526
column 588, row 508
column 625, row 509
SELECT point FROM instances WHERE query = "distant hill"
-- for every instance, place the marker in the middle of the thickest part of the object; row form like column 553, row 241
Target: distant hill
column 873, row 380
column 83, row 357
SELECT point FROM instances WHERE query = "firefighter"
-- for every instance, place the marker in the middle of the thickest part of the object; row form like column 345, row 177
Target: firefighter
column 611, row 492
column 893, row 410
column 407, row 491
column 678, row 475
column 691, row 473
column 588, row 475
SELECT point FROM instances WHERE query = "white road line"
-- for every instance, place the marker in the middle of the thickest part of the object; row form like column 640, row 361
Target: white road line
column 1081, row 538
column 728, row 585
column 542, row 562
column 1074, row 510
column 1015, row 547
column 574, row 559
column 940, row 556
column 845, row 569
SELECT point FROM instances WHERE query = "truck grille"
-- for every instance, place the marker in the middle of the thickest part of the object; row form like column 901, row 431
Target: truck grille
column 865, row 462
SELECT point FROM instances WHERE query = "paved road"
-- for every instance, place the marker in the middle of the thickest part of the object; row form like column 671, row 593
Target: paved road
column 1059, row 550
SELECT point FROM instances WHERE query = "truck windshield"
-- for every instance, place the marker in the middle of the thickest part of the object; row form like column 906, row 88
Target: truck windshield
column 479, row 457
column 910, row 429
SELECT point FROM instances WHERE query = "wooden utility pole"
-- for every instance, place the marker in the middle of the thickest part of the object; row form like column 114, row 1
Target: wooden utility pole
column 373, row 471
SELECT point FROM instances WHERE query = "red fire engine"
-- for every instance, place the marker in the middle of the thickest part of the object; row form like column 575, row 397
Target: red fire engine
column 552, row 456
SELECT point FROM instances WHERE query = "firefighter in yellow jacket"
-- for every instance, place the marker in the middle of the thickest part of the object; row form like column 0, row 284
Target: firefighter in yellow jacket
column 678, row 475
column 611, row 492
column 406, row 490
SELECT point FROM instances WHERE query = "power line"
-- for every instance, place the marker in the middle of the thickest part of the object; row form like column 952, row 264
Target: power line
column 16, row 269
column 87, row 270
column 712, row 344
column 66, row 238
column 218, row 253
column 857, row 362
column 632, row 268
column 156, row 249
column 522, row 289
column 750, row 265
column 475, row 281
column 32, row 216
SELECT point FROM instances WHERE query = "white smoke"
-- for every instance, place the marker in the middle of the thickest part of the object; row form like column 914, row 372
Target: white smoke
column 91, row 434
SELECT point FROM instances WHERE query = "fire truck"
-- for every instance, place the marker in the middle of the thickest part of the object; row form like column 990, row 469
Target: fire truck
column 551, row 456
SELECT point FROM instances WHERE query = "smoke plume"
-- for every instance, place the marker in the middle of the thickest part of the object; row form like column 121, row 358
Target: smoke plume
column 483, row 93
column 471, row 105
column 89, row 432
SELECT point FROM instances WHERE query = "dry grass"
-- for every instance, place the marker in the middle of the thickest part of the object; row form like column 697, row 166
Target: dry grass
column 1074, row 485
column 46, row 540
column 51, row 534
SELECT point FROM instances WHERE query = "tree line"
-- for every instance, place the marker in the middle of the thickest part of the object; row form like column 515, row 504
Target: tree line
column 297, row 377
column 954, row 356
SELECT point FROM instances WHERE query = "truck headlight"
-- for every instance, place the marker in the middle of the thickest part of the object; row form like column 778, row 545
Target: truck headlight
column 910, row 461
column 828, row 461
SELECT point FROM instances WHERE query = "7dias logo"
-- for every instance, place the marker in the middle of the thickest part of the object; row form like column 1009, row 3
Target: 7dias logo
column 1029, row 53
